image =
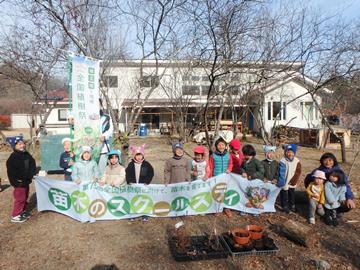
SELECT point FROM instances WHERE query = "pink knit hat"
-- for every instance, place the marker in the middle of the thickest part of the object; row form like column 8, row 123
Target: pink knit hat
column 137, row 149
column 319, row 174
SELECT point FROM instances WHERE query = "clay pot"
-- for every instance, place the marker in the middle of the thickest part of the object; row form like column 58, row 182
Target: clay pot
column 255, row 231
column 240, row 236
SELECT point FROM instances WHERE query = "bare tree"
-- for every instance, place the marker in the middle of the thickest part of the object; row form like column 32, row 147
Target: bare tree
column 29, row 58
column 155, row 24
column 84, row 27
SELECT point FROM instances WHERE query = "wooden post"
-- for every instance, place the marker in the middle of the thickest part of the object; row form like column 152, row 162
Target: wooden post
column 343, row 152
column 298, row 233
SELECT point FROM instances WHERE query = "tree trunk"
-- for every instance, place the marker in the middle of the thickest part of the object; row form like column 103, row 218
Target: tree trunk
column 218, row 123
column 343, row 150
column 298, row 233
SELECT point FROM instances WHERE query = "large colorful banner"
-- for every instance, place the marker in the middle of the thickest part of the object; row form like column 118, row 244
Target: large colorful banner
column 91, row 202
column 85, row 103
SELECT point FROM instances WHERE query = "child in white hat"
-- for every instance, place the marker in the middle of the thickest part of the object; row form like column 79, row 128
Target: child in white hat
column 67, row 159
column 86, row 169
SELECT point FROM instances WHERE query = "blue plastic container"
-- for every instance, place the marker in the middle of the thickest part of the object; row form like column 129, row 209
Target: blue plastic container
column 11, row 140
column 143, row 130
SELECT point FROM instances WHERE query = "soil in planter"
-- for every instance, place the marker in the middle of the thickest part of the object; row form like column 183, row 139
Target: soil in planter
column 201, row 248
column 264, row 244
column 235, row 247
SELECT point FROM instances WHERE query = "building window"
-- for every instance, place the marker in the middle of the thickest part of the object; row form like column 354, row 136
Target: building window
column 110, row 81
column 186, row 78
column 234, row 90
column 149, row 81
column 309, row 111
column 62, row 115
column 276, row 110
column 191, row 90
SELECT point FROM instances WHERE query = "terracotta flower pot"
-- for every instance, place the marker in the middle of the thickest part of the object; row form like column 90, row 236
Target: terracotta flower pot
column 240, row 236
column 255, row 231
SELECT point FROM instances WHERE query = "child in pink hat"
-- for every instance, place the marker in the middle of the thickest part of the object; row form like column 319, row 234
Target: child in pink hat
column 199, row 164
column 316, row 194
column 139, row 170
column 236, row 155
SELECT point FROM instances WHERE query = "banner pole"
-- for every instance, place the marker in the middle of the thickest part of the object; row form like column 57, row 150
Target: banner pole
column 69, row 68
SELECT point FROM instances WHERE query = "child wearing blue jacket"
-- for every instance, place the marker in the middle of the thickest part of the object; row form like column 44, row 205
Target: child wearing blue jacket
column 289, row 175
column 86, row 169
column 335, row 190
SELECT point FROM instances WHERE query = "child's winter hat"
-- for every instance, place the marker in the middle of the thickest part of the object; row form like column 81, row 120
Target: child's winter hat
column 319, row 174
column 235, row 144
column 177, row 145
column 199, row 149
column 290, row 147
column 66, row 140
column 137, row 150
column 17, row 139
column 115, row 152
column 84, row 149
column 269, row 148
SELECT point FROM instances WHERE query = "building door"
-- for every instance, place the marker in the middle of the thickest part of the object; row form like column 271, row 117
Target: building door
column 251, row 121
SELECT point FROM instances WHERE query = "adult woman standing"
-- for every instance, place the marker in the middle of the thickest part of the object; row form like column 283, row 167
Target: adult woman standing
column 328, row 164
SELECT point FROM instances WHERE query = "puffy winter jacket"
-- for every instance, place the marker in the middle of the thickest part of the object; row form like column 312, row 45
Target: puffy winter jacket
column 21, row 168
column 85, row 171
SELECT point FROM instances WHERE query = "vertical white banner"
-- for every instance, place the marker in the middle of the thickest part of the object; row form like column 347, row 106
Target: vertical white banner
column 85, row 103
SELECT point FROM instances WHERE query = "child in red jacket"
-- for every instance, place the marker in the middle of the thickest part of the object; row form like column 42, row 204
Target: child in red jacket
column 236, row 155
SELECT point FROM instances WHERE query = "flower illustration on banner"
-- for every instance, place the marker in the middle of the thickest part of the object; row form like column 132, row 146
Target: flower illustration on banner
column 256, row 196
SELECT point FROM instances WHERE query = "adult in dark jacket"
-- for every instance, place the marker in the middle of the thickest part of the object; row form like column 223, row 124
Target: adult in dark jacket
column 139, row 171
column 21, row 168
column 328, row 164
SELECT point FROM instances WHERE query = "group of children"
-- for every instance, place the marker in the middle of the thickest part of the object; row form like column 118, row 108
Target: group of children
column 240, row 161
column 325, row 197
column 285, row 174
column 87, row 170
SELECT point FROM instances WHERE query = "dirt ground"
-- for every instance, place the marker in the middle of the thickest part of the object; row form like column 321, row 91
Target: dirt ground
column 53, row 241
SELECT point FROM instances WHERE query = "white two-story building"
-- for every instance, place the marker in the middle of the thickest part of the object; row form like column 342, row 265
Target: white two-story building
column 259, row 96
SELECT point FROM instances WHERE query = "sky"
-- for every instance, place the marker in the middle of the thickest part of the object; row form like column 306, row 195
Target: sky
column 349, row 9
column 346, row 10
